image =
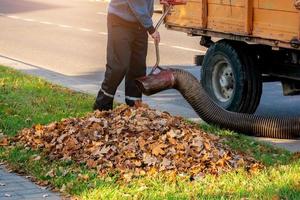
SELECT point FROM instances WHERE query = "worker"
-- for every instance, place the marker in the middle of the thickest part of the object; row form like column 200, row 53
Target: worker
column 129, row 22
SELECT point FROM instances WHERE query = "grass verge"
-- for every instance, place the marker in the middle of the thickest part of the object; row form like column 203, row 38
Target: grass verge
column 26, row 100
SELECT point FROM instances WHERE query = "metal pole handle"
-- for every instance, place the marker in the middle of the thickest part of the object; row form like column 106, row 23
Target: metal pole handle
column 163, row 17
column 155, row 42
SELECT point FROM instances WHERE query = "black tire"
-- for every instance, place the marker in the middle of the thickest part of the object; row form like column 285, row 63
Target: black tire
column 240, row 91
column 254, row 82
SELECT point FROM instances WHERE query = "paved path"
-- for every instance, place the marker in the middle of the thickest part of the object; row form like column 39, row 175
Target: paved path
column 14, row 187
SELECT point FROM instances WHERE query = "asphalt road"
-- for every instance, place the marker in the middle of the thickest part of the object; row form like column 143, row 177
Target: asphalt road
column 67, row 38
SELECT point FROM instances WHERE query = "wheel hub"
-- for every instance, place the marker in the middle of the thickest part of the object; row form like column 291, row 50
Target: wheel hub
column 223, row 81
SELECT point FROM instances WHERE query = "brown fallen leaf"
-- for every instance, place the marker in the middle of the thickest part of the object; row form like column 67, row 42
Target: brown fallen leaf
column 104, row 150
column 165, row 164
column 4, row 141
column 61, row 138
column 51, row 173
column 83, row 177
column 157, row 149
column 42, row 183
column 138, row 163
column 72, row 143
column 149, row 160
column 36, row 158
column 91, row 163
column 128, row 177
column 142, row 143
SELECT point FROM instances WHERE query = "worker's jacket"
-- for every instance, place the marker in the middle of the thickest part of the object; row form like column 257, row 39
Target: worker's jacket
column 134, row 11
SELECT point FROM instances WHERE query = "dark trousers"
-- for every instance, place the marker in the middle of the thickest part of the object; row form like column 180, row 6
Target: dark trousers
column 126, row 57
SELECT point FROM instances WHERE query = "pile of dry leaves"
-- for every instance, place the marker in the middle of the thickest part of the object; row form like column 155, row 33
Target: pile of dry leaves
column 136, row 141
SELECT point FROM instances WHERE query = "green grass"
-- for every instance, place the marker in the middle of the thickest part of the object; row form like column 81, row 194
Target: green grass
column 25, row 100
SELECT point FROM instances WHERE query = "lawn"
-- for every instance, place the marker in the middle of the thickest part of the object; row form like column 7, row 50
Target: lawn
column 27, row 100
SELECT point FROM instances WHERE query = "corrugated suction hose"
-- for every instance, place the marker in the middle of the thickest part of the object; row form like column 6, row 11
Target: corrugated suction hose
column 192, row 90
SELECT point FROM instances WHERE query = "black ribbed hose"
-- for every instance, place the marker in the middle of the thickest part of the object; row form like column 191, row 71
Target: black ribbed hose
column 261, row 126
column 192, row 90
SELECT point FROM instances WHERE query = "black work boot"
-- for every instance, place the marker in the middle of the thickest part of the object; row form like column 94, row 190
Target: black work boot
column 132, row 103
column 103, row 102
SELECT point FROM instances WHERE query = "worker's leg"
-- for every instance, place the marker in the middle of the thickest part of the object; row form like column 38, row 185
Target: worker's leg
column 119, row 43
column 137, row 66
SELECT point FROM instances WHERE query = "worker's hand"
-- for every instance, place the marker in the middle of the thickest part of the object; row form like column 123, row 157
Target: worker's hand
column 156, row 36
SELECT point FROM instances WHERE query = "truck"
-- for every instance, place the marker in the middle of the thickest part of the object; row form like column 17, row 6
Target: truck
column 248, row 42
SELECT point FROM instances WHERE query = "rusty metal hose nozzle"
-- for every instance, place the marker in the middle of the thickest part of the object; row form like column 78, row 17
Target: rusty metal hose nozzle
column 156, row 82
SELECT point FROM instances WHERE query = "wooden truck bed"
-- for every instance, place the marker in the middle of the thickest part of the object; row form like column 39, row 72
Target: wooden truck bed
column 270, row 22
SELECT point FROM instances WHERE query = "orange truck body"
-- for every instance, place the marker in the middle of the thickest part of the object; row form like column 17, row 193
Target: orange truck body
column 270, row 22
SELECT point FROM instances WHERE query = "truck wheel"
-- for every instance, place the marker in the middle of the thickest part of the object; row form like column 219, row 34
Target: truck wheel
column 230, row 78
